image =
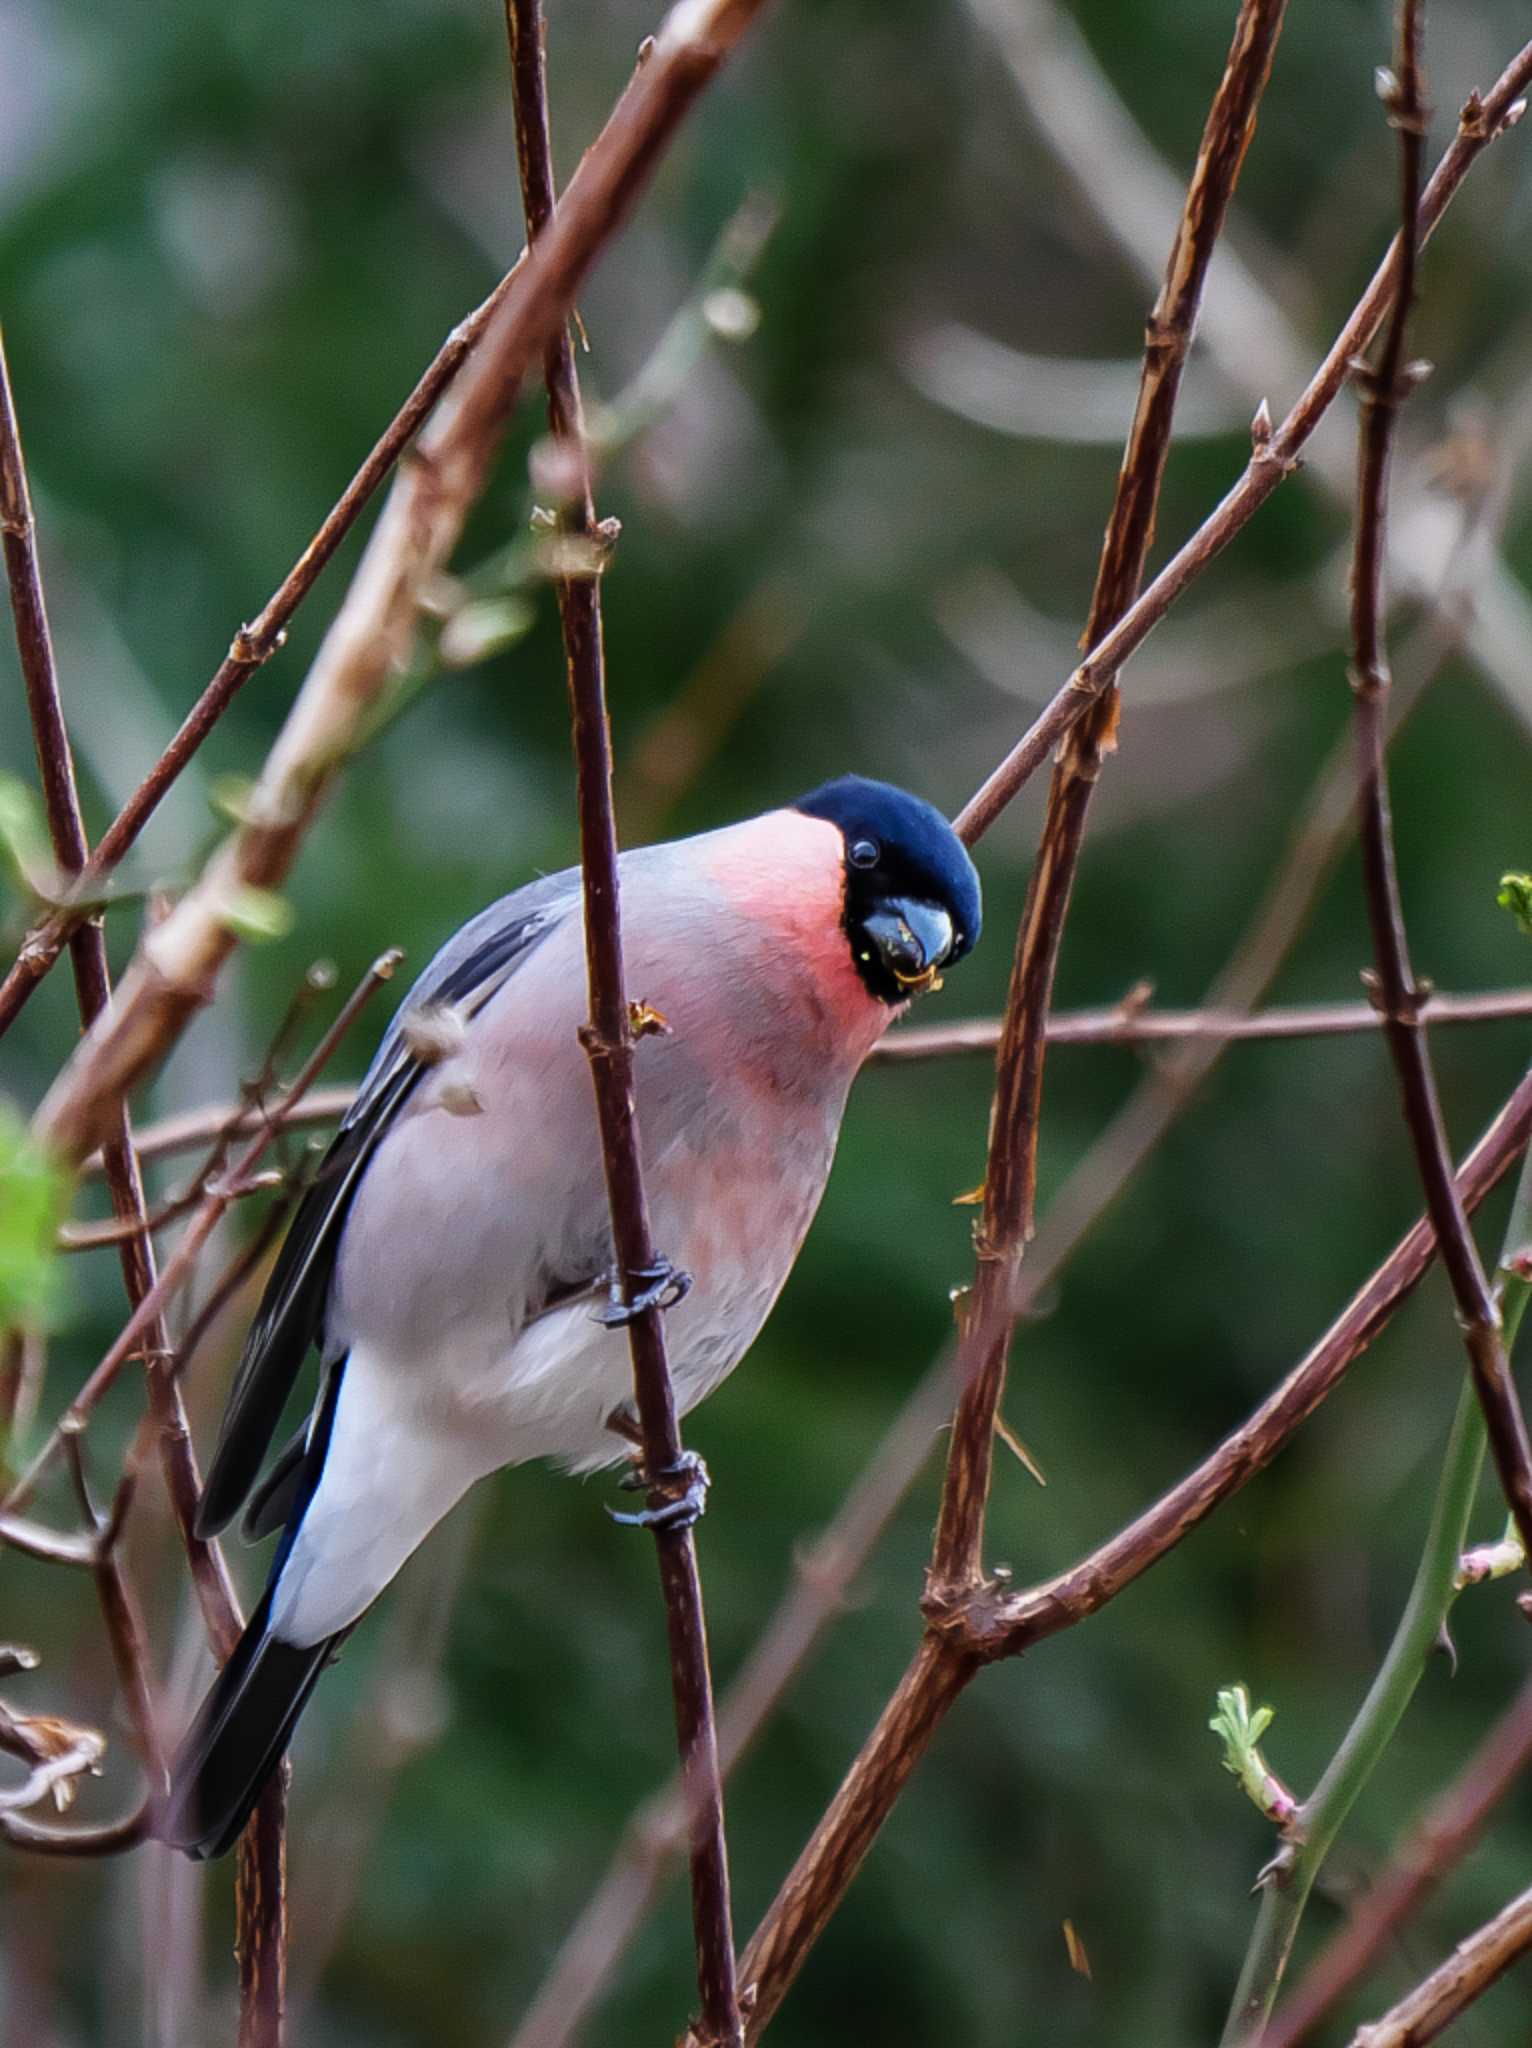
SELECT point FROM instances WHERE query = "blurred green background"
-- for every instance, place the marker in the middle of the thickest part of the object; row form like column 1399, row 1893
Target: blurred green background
column 229, row 240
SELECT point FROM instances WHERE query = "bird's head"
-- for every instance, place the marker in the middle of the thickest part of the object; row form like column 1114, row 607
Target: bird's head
column 911, row 902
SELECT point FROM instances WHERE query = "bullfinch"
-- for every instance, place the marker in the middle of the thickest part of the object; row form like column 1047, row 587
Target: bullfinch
column 452, row 1261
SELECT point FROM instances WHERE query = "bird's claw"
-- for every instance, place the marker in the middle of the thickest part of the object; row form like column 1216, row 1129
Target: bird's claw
column 660, row 1286
column 686, row 1482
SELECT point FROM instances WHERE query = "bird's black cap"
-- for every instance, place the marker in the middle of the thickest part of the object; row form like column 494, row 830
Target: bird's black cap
column 914, row 851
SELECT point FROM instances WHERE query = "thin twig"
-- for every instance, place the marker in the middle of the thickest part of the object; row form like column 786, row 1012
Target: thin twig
column 252, row 646
column 111, row 1839
column 1385, row 388
column 1132, row 1023
column 368, row 643
column 1484, row 118
column 1451, row 1988
column 1431, row 1851
column 260, row 1916
column 997, row 1624
column 177, row 1271
column 608, row 1042
column 48, row 1546
column 1010, row 1174
column 1124, row 1023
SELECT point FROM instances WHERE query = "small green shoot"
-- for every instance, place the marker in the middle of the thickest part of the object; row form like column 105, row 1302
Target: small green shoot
column 1515, row 895
column 31, row 1209
column 1239, row 1728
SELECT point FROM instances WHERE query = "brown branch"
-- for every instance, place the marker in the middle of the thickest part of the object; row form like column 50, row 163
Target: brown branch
column 608, row 1040
column 95, row 1237
column 993, row 1625
column 253, row 645
column 184, row 1485
column 1484, row 118
column 112, row 1839
column 1010, row 1174
column 822, row 1582
column 1385, row 388
column 1431, row 1851
column 1129, row 1023
column 1444, row 1996
column 1099, row 1178
column 260, row 1935
column 261, row 1918
column 1014, row 1623
column 370, row 639
column 1122, row 1023
column 48, row 1546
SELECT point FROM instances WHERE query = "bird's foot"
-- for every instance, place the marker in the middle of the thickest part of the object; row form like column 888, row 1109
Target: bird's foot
column 683, row 1486
column 660, row 1285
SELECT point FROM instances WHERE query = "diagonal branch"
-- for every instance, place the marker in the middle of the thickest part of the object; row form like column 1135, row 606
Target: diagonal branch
column 608, row 1040
column 1457, row 1983
column 1484, row 118
column 1010, row 1176
column 253, row 645
column 223, row 1625
column 370, row 639
column 997, row 1625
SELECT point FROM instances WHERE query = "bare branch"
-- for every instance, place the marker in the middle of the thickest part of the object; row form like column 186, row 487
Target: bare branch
column 994, row 1624
column 1010, row 1174
column 1124, row 1023
column 253, row 645
column 1484, row 118
column 184, row 1485
column 1385, row 388
column 369, row 641
column 110, row 1840
column 1132, row 1023
column 608, row 1040
column 1453, row 1987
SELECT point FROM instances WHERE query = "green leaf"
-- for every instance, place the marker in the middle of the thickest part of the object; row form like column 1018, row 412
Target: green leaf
column 24, row 850
column 1516, row 897
column 258, row 914
column 31, row 1208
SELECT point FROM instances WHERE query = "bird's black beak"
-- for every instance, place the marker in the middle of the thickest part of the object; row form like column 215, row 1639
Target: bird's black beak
column 913, row 939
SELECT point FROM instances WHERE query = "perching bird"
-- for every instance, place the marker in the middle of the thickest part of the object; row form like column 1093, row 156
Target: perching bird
column 453, row 1260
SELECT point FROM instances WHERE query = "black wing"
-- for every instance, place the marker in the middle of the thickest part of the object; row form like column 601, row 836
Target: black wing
column 468, row 971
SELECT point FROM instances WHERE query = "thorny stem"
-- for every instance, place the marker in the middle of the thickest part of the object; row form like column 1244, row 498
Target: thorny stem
column 1285, row 1892
column 1385, row 388
column 608, row 1041
column 1432, row 1849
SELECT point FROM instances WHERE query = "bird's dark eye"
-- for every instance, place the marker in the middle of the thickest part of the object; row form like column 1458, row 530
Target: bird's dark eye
column 864, row 853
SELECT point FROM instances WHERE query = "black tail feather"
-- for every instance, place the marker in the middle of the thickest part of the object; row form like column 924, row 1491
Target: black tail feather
column 239, row 1735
